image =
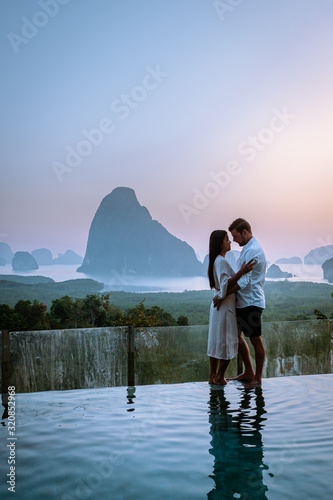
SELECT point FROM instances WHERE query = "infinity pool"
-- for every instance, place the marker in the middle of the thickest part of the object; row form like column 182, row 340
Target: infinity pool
column 181, row 441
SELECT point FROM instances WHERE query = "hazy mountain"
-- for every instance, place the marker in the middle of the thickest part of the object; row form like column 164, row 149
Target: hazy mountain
column 319, row 255
column 67, row 258
column 123, row 238
column 43, row 256
column 275, row 272
column 328, row 270
column 24, row 261
column 6, row 252
column 289, row 260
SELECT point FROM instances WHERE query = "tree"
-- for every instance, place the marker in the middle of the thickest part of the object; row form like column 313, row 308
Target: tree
column 155, row 316
column 321, row 315
column 24, row 316
column 61, row 309
column 93, row 310
column 182, row 321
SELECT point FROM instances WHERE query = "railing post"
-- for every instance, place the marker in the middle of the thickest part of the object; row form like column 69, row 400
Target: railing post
column 130, row 357
column 5, row 361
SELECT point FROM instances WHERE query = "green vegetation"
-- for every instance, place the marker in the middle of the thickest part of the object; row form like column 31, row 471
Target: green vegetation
column 289, row 301
column 285, row 301
column 91, row 311
column 23, row 316
column 12, row 291
column 321, row 315
column 80, row 303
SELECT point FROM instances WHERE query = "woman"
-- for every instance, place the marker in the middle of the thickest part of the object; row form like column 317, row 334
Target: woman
column 223, row 332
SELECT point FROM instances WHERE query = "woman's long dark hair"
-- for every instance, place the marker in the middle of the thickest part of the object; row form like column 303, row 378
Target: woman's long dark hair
column 215, row 243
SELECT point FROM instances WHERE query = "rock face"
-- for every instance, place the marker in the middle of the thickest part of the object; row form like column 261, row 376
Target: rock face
column 275, row 272
column 290, row 260
column 319, row 255
column 328, row 270
column 43, row 256
column 68, row 258
column 123, row 238
column 24, row 261
column 6, row 252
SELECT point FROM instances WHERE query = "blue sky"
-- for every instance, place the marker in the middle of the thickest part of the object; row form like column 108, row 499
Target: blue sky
column 208, row 110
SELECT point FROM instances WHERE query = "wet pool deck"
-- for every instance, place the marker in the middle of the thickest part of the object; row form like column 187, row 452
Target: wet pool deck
column 174, row 441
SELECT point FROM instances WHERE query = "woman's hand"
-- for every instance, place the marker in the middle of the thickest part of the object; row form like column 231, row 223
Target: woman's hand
column 246, row 267
column 217, row 302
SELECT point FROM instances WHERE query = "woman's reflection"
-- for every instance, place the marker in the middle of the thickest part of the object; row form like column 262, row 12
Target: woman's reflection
column 237, row 444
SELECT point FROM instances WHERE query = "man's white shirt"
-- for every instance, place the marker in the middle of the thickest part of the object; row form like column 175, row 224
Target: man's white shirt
column 251, row 285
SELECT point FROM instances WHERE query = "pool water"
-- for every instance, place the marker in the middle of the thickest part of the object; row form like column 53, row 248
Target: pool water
column 177, row 441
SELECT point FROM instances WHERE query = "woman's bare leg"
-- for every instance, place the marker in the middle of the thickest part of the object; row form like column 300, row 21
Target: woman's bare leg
column 219, row 379
column 213, row 369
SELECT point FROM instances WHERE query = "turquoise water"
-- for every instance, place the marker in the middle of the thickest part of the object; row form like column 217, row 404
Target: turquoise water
column 177, row 441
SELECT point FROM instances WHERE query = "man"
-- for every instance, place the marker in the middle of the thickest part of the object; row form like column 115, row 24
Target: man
column 250, row 300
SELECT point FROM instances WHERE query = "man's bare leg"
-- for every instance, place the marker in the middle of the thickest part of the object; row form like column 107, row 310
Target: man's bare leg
column 260, row 353
column 219, row 379
column 244, row 352
column 213, row 369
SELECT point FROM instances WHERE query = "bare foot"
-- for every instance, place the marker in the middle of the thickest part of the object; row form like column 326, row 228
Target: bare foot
column 243, row 377
column 221, row 381
column 211, row 381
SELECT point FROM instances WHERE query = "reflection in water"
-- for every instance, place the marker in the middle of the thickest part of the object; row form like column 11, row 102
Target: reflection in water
column 237, row 445
column 130, row 396
column 4, row 400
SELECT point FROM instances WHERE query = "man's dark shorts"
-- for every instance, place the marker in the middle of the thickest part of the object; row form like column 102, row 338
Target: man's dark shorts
column 249, row 320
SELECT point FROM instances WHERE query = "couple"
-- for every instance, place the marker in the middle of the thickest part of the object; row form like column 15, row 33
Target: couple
column 237, row 306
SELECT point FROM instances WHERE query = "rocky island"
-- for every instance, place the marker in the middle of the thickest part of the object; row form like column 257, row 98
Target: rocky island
column 274, row 271
column 328, row 270
column 124, row 239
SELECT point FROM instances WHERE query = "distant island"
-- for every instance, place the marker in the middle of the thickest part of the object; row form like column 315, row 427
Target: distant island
column 275, row 272
column 67, row 258
column 290, row 260
column 6, row 254
column 124, row 239
column 26, row 261
column 319, row 255
column 328, row 270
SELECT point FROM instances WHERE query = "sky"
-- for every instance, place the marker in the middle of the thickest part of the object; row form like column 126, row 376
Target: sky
column 209, row 110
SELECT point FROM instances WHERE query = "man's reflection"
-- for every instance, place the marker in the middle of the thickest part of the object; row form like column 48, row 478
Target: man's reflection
column 4, row 400
column 131, row 396
column 237, row 444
